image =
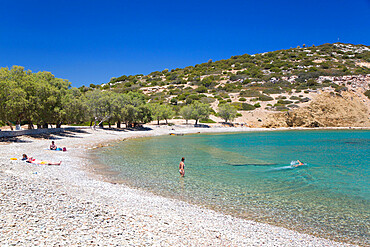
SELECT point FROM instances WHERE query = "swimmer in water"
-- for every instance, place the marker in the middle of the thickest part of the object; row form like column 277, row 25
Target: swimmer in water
column 299, row 164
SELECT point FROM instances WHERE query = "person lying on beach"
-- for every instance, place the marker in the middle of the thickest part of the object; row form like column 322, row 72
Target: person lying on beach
column 40, row 162
column 53, row 146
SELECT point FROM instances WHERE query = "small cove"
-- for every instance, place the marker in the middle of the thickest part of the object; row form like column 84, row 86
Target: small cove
column 249, row 175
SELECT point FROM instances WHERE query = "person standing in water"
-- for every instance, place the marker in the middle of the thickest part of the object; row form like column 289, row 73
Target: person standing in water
column 182, row 167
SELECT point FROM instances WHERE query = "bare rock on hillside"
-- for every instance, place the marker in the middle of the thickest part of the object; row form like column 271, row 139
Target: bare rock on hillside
column 326, row 110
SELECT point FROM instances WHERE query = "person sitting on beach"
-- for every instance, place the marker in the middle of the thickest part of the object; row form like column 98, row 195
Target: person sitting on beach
column 24, row 157
column 182, row 167
column 40, row 162
column 53, row 146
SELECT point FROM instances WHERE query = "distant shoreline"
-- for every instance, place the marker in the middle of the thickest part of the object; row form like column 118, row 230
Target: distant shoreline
column 211, row 129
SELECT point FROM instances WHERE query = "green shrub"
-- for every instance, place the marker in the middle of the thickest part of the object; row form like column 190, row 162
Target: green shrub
column 181, row 97
column 242, row 99
column 207, row 100
column 239, row 114
column 293, row 106
column 284, row 102
column 341, row 89
column 81, row 124
column 264, row 97
column 367, row 93
column 305, row 99
column 243, row 106
column 201, row 89
column 207, row 121
column 294, row 98
column 224, row 95
column 257, row 105
column 280, row 97
column 281, row 108
column 247, row 107
column 250, row 93
column 273, row 91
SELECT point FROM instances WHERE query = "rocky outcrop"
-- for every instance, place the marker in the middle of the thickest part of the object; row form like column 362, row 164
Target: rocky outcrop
column 326, row 110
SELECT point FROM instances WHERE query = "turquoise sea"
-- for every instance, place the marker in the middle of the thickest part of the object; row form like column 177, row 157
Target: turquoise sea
column 250, row 175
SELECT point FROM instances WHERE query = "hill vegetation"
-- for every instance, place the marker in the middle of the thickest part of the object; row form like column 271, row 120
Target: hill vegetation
column 250, row 75
column 275, row 81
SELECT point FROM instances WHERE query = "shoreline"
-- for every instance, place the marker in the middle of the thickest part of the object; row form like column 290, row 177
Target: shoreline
column 77, row 208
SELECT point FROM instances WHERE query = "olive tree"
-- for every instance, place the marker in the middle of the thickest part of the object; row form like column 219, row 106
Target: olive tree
column 186, row 112
column 227, row 112
column 199, row 111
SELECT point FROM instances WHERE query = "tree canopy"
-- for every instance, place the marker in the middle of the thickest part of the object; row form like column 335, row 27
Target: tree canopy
column 41, row 99
column 227, row 112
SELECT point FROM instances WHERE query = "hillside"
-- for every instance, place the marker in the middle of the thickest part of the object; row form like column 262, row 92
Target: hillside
column 327, row 85
column 295, row 81
column 327, row 110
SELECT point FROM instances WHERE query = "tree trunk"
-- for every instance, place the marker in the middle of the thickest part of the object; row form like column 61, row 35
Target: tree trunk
column 58, row 125
column 94, row 127
column 118, row 124
column 158, row 120
column 166, row 121
column 91, row 122
column 187, row 121
column 45, row 126
column 109, row 124
column 38, row 126
column 101, row 123
column 196, row 121
column 30, row 125
column 10, row 125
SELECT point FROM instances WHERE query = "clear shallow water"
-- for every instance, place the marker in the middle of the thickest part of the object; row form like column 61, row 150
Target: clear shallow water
column 250, row 175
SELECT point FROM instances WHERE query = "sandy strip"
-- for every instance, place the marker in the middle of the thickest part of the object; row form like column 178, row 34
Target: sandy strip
column 64, row 205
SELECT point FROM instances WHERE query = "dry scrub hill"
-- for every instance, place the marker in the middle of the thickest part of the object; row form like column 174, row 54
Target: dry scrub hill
column 326, row 110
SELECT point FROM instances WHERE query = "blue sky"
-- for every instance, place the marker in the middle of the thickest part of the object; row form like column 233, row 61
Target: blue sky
column 92, row 41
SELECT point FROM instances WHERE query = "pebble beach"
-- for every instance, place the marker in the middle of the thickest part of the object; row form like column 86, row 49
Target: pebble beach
column 73, row 205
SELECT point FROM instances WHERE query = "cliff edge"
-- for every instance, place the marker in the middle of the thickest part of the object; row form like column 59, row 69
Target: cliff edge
column 326, row 110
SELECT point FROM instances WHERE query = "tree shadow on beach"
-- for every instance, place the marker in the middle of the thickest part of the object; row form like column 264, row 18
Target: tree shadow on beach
column 140, row 129
column 65, row 133
column 12, row 139
column 128, row 129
